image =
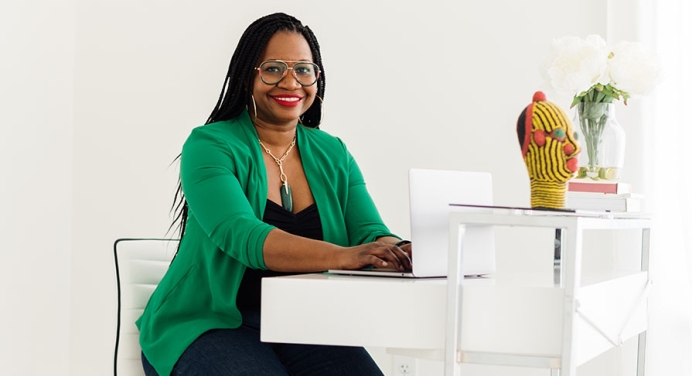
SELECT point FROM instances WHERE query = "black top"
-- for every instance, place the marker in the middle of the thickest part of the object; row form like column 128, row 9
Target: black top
column 306, row 223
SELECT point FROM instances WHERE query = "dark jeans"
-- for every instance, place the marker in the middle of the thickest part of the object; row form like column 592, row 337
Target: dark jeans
column 235, row 352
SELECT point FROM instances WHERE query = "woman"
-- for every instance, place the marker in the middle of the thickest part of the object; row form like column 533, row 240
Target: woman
column 265, row 193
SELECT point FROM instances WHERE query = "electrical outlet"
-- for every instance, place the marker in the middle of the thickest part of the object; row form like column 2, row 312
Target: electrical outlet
column 404, row 366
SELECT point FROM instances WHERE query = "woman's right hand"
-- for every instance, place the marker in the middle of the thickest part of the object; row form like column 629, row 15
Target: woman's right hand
column 377, row 254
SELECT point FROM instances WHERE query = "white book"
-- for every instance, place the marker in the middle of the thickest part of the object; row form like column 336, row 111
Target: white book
column 598, row 195
column 629, row 202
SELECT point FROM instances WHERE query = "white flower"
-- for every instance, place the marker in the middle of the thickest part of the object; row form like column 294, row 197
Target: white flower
column 634, row 70
column 591, row 72
column 574, row 65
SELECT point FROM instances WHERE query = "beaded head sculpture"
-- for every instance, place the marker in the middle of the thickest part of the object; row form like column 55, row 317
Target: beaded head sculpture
column 549, row 148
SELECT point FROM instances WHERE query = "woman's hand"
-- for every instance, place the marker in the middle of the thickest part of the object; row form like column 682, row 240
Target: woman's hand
column 408, row 250
column 377, row 254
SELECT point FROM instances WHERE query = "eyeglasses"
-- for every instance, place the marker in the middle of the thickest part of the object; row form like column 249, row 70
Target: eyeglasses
column 273, row 71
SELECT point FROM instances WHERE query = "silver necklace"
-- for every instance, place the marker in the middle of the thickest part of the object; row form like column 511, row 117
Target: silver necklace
column 286, row 193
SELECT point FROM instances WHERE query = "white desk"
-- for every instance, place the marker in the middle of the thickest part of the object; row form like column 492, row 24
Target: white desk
column 507, row 321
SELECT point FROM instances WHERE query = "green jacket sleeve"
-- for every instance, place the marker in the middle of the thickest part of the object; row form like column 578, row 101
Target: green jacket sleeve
column 215, row 197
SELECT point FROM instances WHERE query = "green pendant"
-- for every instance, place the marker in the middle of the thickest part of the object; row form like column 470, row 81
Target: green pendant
column 287, row 197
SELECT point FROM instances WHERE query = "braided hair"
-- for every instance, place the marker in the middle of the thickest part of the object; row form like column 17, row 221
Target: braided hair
column 236, row 92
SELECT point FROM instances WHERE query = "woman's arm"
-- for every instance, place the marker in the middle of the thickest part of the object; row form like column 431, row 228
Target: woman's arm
column 209, row 174
column 217, row 201
column 289, row 253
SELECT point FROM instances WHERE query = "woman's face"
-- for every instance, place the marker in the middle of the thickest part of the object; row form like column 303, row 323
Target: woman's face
column 285, row 102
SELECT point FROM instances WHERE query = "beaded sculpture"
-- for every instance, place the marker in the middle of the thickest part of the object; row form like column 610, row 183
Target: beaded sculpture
column 549, row 148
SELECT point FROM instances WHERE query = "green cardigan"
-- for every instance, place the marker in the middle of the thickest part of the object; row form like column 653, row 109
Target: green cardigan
column 224, row 181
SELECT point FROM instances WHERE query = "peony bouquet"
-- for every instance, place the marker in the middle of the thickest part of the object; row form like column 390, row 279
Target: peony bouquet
column 593, row 72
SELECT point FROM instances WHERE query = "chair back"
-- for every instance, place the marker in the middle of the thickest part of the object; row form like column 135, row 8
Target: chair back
column 139, row 266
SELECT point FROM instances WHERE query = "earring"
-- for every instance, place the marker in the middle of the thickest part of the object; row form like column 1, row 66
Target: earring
column 321, row 109
column 254, row 105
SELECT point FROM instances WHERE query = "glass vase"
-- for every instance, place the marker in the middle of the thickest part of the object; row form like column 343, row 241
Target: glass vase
column 602, row 140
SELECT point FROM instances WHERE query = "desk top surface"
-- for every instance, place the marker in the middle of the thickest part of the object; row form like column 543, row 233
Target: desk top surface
column 506, row 279
column 544, row 212
column 509, row 216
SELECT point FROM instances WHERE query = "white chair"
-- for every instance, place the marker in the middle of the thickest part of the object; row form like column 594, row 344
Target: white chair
column 139, row 266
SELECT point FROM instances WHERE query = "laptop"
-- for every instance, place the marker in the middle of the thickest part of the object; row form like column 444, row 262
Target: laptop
column 431, row 192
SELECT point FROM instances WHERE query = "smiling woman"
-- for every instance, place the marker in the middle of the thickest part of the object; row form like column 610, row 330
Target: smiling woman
column 241, row 220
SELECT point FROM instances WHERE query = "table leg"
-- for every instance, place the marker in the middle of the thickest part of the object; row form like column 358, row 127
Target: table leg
column 571, row 260
column 454, row 277
column 557, row 257
column 641, row 354
column 641, row 342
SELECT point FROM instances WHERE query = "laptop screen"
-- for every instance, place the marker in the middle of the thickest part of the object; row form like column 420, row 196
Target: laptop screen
column 430, row 193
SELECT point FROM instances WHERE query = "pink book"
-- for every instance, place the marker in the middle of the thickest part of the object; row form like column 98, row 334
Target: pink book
column 609, row 187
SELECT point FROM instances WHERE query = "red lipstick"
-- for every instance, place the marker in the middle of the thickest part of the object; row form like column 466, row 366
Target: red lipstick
column 287, row 100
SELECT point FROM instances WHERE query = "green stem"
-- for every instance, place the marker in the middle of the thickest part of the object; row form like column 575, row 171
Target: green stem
column 592, row 121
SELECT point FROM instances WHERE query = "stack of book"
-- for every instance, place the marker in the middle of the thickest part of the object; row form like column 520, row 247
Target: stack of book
column 603, row 196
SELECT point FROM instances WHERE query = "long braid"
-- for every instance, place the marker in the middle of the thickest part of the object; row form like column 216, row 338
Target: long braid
column 313, row 116
column 237, row 87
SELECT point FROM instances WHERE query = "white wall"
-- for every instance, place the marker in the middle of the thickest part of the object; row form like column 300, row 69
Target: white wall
column 410, row 84
column 36, row 124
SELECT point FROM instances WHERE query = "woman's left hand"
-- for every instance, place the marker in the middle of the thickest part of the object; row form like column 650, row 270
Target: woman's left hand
column 407, row 249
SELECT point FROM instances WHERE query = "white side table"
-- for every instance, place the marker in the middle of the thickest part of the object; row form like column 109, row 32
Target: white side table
column 592, row 317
